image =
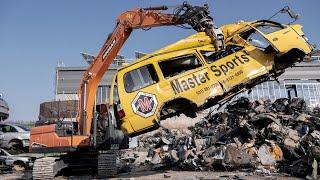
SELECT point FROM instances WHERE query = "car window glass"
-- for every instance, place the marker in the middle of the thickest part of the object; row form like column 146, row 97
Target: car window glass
column 211, row 56
column 255, row 38
column 13, row 129
column 8, row 128
column 140, row 78
column 268, row 28
column 176, row 66
column 5, row 128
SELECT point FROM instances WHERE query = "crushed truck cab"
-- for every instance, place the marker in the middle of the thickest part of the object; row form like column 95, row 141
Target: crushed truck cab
column 190, row 75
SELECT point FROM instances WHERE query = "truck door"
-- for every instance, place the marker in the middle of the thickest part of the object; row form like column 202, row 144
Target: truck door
column 280, row 37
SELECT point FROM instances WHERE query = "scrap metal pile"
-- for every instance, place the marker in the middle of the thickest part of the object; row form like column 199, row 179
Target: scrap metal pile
column 259, row 136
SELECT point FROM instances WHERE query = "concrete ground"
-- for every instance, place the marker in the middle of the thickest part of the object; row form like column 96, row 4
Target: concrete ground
column 191, row 175
column 174, row 175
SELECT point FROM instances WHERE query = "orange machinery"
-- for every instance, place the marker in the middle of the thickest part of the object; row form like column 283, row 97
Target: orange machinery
column 45, row 138
column 78, row 141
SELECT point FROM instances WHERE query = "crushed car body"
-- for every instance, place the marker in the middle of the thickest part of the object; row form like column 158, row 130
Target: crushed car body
column 13, row 136
column 190, row 75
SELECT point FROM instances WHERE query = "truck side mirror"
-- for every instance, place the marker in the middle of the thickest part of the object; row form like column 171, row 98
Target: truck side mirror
column 291, row 13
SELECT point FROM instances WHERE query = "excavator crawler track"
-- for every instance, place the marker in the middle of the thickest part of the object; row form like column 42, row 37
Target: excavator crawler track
column 107, row 164
column 44, row 168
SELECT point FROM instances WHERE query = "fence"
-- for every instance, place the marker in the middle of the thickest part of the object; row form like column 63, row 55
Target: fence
column 309, row 91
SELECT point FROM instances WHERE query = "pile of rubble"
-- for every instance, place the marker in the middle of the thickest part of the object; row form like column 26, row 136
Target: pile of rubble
column 259, row 136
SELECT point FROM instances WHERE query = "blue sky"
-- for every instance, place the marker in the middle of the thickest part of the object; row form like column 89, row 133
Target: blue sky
column 35, row 35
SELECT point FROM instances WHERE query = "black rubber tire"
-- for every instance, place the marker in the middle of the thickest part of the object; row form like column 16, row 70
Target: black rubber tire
column 16, row 145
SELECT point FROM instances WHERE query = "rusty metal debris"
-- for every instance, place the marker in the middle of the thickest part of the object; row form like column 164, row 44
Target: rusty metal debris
column 260, row 136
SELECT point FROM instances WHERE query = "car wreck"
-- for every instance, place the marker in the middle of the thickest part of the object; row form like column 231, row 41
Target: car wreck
column 13, row 136
column 190, row 75
column 17, row 162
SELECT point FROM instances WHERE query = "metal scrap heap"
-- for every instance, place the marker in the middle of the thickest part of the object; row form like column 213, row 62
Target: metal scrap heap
column 260, row 136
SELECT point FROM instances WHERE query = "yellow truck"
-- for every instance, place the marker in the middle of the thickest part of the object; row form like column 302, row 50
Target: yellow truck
column 190, row 75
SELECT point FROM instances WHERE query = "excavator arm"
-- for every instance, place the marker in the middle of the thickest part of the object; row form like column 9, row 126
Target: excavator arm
column 195, row 16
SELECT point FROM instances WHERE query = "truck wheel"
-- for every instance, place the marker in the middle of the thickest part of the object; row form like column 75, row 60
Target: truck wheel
column 15, row 145
column 19, row 166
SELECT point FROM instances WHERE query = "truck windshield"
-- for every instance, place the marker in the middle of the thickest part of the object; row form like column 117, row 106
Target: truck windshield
column 255, row 38
column 140, row 78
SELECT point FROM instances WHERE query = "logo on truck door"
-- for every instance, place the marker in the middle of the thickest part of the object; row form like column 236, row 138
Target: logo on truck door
column 144, row 104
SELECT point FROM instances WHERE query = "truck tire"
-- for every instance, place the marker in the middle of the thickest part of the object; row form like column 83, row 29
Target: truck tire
column 15, row 145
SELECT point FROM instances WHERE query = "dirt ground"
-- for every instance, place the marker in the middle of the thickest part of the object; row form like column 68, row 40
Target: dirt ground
column 175, row 175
